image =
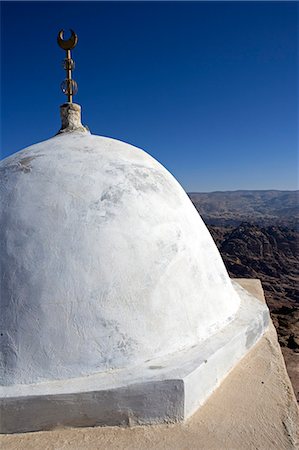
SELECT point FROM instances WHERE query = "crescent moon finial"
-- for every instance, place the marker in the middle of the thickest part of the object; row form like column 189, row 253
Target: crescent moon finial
column 68, row 44
column 68, row 86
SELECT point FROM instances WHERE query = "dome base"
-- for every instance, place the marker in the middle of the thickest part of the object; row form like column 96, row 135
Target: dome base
column 161, row 390
column 70, row 114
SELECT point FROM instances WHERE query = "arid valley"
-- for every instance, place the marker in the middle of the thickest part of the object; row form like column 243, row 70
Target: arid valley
column 258, row 237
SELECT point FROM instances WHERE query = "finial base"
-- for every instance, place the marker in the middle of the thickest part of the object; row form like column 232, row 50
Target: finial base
column 70, row 114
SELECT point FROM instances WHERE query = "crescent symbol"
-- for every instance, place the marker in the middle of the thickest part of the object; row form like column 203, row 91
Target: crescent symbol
column 69, row 43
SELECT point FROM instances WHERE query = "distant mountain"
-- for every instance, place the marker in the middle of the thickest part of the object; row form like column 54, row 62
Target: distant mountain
column 270, row 254
column 258, row 237
column 261, row 207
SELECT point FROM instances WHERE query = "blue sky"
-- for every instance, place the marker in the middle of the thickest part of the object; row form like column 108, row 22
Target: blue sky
column 210, row 89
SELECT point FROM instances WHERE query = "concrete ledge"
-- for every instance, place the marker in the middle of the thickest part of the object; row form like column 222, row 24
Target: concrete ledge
column 162, row 390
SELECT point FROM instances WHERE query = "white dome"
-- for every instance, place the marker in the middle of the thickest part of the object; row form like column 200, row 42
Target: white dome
column 105, row 263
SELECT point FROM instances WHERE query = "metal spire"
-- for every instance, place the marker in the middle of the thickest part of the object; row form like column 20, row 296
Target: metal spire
column 68, row 86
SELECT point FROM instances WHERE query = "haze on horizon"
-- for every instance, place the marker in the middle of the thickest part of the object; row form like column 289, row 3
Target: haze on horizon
column 208, row 89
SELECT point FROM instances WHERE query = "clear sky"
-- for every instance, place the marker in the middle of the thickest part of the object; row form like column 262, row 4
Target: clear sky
column 210, row 89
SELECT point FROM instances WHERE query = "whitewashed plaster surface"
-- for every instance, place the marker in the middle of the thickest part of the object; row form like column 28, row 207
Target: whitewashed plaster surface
column 166, row 389
column 105, row 263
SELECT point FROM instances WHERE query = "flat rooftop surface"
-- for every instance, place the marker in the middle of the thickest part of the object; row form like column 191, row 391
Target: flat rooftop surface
column 254, row 408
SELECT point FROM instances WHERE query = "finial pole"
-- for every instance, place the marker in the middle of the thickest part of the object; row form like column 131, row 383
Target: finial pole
column 70, row 112
column 68, row 86
column 69, row 76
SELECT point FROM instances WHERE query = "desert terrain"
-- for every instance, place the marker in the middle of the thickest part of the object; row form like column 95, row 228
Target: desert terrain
column 258, row 237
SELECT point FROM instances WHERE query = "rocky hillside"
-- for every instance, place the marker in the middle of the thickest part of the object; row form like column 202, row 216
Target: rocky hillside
column 255, row 249
column 262, row 207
